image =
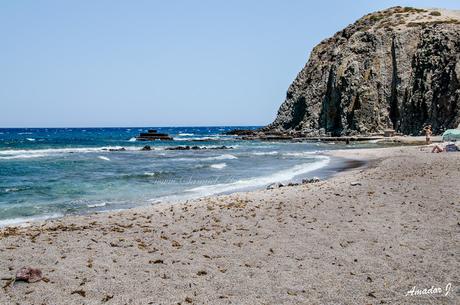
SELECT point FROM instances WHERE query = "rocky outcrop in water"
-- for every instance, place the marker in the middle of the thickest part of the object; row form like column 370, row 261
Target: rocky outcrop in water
column 153, row 135
column 398, row 69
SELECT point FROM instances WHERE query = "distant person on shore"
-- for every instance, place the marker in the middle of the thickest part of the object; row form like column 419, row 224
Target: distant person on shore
column 428, row 133
column 437, row 148
column 449, row 147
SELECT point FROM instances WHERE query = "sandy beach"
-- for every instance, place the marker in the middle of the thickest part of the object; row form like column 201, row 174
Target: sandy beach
column 365, row 236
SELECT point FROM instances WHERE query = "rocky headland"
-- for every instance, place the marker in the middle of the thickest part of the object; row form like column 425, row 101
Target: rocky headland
column 394, row 69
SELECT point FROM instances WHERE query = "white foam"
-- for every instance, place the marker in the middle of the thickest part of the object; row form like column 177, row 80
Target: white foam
column 30, row 139
column 36, row 153
column 301, row 154
column 25, row 221
column 133, row 139
column 23, row 156
column 207, row 138
column 96, row 205
column 281, row 176
column 10, row 190
column 186, row 134
column 103, row 158
column 221, row 157
column 265, row 153
column 218, row 165
column 150, row 174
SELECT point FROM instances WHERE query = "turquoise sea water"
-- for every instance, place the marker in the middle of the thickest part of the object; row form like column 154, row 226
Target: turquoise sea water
column 53, row 172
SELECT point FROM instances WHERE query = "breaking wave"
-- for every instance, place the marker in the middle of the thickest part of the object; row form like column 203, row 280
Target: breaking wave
column 96, row 205
column 307, row 154
column 38, row 153
column 280, row 176
column 218, row 165
column 221, row 157
column 265, row 153
column 24, row 220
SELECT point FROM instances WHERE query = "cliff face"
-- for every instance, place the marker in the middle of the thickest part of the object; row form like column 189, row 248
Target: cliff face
column 398, row 68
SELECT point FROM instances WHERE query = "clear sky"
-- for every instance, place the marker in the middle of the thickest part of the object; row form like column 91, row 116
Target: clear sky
column 160, row 63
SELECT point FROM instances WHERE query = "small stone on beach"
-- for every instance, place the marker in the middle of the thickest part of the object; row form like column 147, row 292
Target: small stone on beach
column 80, row 292
column 29, row 274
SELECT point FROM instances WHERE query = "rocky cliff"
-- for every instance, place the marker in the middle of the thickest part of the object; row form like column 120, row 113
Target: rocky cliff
column 398, row 68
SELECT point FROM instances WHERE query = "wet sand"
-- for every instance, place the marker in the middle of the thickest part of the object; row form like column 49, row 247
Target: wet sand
column 364, row 236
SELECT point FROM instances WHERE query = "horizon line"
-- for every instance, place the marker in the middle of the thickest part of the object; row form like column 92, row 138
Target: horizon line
column 146, row 126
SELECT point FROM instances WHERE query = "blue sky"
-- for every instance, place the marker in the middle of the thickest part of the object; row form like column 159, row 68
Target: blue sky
column 160, row 63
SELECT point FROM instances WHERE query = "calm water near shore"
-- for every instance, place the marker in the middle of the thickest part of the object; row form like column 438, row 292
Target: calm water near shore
column 57, row 171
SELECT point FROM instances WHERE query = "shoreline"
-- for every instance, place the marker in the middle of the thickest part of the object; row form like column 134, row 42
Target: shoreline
column 325, row 242
column 335, row 166
column 346, row 163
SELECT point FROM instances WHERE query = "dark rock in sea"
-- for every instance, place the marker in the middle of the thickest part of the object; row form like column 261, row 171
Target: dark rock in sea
column 202, row 140
column 146, row 147
column 178, row 148
column 196, row 147
column 394, row 69
column 117, row 149
column 270, row 137
column 221, row 147
column 153, row 135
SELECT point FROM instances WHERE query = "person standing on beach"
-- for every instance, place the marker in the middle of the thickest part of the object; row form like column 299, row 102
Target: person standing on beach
column 428, row 133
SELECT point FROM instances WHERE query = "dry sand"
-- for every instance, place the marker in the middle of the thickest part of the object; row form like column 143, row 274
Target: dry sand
column 363, row 237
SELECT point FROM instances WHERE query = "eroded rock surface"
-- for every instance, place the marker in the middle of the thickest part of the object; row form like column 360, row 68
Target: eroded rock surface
column 398, row 68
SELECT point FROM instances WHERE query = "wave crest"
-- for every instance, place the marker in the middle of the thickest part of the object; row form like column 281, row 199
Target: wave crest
column 38, row 153
column 221, row 157
column 218, row 165
column 281, row 176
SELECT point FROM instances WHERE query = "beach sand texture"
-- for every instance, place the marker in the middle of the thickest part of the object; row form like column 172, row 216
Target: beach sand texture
column 366, row 236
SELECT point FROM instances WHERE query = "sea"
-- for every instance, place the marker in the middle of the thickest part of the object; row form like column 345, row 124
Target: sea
column 52, row 172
